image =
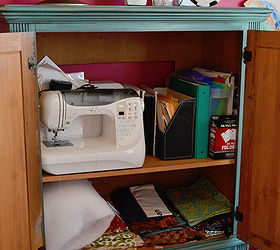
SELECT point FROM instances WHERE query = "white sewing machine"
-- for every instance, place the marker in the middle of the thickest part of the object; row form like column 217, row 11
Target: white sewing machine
column 91, row 130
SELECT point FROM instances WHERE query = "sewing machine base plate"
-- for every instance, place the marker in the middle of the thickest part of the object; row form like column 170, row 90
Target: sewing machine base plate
column 60, row 143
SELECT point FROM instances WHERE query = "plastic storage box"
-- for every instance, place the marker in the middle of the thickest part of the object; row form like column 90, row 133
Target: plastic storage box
column 221, row 101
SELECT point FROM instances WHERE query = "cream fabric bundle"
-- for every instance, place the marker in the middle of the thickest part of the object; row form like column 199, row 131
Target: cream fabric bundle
column 74, row 214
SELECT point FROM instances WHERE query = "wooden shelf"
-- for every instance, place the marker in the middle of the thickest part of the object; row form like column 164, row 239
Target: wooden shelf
column 151, row 165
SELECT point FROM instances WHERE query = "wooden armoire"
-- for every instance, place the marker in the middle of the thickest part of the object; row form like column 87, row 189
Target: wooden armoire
column 208, row 37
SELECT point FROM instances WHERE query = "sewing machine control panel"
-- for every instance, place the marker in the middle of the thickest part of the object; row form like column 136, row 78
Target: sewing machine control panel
column 128, row 121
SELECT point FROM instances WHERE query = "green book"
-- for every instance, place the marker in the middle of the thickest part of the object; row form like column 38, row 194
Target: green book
column 202, row 94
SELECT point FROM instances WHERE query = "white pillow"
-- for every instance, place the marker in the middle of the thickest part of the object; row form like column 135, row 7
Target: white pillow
column 74, row 214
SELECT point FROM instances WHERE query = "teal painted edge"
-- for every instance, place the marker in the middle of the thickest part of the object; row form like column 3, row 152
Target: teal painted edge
column 49, row 18
column 222, row 244
column 139, row 26
column 240, row 129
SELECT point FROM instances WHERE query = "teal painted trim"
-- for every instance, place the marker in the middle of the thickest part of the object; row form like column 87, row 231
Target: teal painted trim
column 21, row 27
column 254, row 26
column 222, row 244
column 260, row 26
column 240, row 130
column 143, row 26
column 49, row 18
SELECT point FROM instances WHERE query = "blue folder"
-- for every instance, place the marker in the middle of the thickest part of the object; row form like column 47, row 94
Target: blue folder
column 202, row 94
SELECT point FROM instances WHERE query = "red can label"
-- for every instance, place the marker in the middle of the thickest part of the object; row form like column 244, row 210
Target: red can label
column 222, row 140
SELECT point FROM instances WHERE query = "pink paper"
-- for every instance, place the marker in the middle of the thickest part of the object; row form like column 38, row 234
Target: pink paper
column 152, row 74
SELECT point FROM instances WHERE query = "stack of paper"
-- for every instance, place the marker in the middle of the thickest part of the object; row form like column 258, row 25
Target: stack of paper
column 166, row 107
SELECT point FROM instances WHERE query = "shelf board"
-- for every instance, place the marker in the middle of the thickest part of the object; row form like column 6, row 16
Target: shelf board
column 151, row 165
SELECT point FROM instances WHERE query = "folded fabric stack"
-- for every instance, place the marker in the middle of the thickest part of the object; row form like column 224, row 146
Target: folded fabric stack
column 198, row 202
column 139, row 203
column 147, row 215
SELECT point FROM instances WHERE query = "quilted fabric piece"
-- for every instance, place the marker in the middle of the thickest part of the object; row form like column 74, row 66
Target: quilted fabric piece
column 199, row 202
column 123, row 240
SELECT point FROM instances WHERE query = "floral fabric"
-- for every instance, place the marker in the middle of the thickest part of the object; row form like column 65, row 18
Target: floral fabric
column 122, row 240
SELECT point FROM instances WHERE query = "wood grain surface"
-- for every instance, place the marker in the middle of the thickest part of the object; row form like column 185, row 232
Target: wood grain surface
column 151, row 165
column 20, row 185
column 81, row 48
column 31, row 142
column 260, row 165
column 14, row 214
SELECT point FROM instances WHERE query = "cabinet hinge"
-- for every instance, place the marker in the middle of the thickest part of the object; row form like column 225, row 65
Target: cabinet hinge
column 238, row 215
column 247, row 55
column 31, row 62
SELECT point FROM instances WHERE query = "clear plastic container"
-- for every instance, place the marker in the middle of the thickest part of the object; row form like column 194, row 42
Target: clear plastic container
column 220, row 101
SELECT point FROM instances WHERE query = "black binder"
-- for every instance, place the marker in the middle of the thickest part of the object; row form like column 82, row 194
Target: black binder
column 149, row 116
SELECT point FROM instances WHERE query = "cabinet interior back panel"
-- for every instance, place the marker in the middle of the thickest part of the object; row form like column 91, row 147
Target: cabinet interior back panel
column 222, row 51
column 222, row 177
column 215, row 50
column 162, row 181
column 184, row 48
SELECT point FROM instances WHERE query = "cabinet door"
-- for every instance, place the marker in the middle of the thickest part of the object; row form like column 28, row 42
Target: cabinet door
column 260, row 163
column 20, row 189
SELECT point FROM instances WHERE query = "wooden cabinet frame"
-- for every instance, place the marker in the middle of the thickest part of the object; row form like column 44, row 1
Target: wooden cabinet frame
column 123, row 19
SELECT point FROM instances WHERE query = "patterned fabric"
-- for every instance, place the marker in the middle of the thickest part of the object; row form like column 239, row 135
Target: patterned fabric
column 164, row 231
column 200, row 201
column 153, row 224
column 173, row 237
column 116, row 226
column 217, row 225
column 123, row 240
